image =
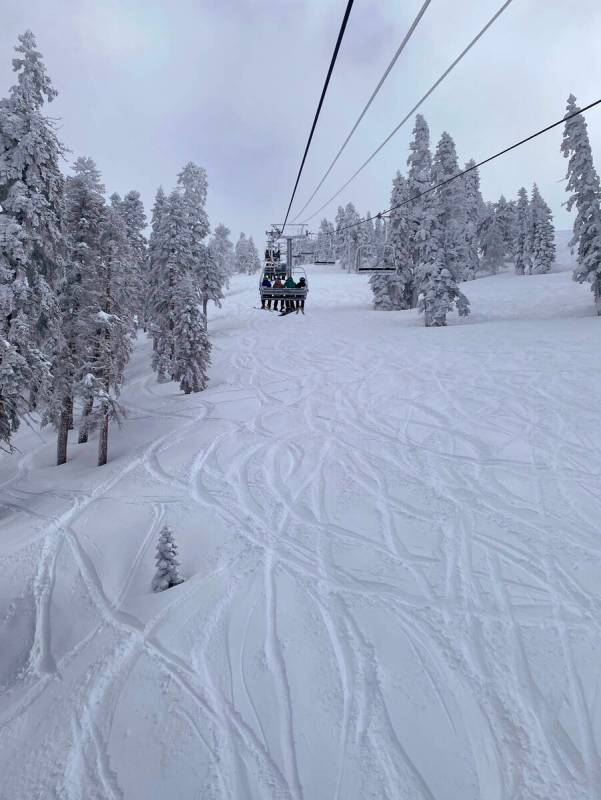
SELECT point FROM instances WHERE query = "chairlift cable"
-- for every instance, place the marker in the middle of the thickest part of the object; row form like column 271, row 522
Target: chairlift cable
column 400, row 49
column 473, row 167
column 349, row 6
column 434, row 86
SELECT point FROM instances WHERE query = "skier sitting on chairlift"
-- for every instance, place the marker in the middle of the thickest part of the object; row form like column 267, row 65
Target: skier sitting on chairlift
column 277, row 284
column 267, row 284
column 290, row 284
column 300, row 301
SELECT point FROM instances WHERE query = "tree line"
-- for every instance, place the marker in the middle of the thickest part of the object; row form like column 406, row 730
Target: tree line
column 78, row 277
column 452, row 235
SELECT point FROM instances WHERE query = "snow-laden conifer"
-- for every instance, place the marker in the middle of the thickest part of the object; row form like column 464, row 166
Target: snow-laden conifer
column 131, row 209
column 473, row 209
column 419, row 178
column 521, row 246
column 450, row 204
column 108, row 328
column 438, row 292
column 492, row 243
column 585, row 194
column 32, row 242
column 241, row 256
column 542, row 234
column 325, row 241
column 222, row 250
column 191, row 344
column 396, row 291
column 167, row 574
column 253, row 263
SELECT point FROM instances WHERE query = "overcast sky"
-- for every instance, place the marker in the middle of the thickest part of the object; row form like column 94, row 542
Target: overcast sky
column 146, row 85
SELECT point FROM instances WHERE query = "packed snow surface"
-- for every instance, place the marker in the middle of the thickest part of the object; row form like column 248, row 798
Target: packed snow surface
column 390, row 539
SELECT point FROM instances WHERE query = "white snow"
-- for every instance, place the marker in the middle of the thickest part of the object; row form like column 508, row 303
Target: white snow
column 390, row 539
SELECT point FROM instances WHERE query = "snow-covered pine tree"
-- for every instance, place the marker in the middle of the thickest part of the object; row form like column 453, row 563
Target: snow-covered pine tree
column 491, row 241
column 350, row 237
column 167, row 574
column 173, row 259
column 419, row 178
column 521, row 245
column 241, row 254
column 156, row 257
column 108, row 324
column 32, row 242
column 396, row 291
column 325, row 241
column 473, row 207
column 451, row 205
column 585, row 193
column 192, row 348
column 438, row 289
column 253, row 263
column 131, row 209
column 339, row 238
column 83, row 218
column 505, row 216
column 222, row 250
column 542, row 234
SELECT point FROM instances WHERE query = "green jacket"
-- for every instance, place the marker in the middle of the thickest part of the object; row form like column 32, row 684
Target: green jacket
column 290, row 284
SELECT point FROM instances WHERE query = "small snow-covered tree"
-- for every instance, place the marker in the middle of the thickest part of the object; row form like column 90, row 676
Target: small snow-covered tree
column 542, row 235
column 521, row 245
column 167, row 574
column 192, row 349
column 585, row 193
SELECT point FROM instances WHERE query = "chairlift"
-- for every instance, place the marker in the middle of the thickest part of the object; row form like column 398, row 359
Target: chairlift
column 381, row 260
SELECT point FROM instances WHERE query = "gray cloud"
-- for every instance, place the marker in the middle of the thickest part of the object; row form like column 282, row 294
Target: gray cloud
column 232, row 84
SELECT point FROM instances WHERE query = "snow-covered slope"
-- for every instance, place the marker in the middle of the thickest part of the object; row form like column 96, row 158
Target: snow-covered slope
column 391, row 542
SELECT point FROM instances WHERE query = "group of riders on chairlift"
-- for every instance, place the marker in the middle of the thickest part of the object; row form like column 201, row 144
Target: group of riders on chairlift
column 278, row 286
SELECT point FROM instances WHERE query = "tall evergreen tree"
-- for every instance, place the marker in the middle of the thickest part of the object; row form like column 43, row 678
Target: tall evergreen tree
column 419, row 178
column 84, row 209
column 491, row 241
column 339, row 239
column 156, row 257
column 253, row 263
column 191, row 346
column 131, row 209
column 396, row 291
column 241, row 254
column 473, row 207
column 542, row 236
column 585, row 193
column 32, row 242
column 521, row 246
column 222, row 251
column 108, row 301
column 325, row 241
column 450, row 204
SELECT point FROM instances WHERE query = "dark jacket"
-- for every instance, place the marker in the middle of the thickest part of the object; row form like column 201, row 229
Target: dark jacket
column 266, row 283
column 290, row 284
column 301, row 284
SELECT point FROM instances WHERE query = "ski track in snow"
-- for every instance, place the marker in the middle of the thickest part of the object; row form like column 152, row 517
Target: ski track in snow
column 395, row 535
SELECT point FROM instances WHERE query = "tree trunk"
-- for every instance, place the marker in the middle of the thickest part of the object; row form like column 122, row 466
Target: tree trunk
column 83, row 430
column 70, row 402
column 205, row 303
column 63, row 432
column 103, row 440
